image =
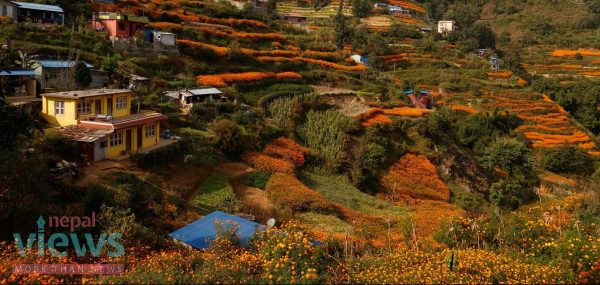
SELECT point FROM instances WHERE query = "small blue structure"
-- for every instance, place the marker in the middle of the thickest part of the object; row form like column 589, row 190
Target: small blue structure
column 202, row 232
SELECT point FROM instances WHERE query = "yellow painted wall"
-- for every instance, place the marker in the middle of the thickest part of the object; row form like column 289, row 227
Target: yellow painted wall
column 116, row 151
column 146, row 142
column 68, row 118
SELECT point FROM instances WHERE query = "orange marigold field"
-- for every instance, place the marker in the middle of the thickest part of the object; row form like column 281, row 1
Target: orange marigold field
column 429, row 215
column 286, row 191
column 549, row 125
column 414, row 177
column 287, row 149
column 500, row 74
column 281, row 155
column 407, row 112
column 358, row 67
column 564, row 52
column 557, row 179
column 268, row 163
column 222, row 80
column 463, row 108
column 192, row 17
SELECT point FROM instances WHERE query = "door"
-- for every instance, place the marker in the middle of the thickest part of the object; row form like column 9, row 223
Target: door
column 128, row 140
column 139, row 137
column 109, row 103
column 98, row 106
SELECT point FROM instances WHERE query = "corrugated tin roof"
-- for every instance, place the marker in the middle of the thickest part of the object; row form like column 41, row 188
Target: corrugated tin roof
column 86, row 93
column 202, row 232
column 17, row 73
column 83, row 134
column 41, row 7
column 205, row 91
column 60, row 63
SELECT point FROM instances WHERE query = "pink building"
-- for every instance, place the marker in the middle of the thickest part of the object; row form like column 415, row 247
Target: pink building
column 118, row 25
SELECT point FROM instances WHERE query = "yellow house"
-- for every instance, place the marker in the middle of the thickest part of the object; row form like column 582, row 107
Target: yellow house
column 102, row 121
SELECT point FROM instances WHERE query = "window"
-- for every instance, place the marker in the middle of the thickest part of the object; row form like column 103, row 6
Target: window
column 121, row 26
column 84, row 107
column 122, row 102
column 150, row 130
column 59, row 107
column 116, row 138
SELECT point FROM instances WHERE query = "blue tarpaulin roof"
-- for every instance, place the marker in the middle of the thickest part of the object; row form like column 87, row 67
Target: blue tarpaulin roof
column 202, row 232
column 17, row 73
column 60, row 63
column 40, row 7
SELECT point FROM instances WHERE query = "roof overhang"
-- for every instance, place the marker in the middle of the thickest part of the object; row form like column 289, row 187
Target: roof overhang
column 39, row 7
column 84, row 133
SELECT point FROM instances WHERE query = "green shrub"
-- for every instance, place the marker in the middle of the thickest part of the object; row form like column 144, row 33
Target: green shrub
column 217, row 193
column 324, row 132
column 568, row 159
column 257, row 179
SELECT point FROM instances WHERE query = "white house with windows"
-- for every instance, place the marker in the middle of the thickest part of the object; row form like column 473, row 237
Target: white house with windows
column 446, row 27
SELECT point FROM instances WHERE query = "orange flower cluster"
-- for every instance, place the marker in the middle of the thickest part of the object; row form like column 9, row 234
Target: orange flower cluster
column 550, row 126
column 557, row 179
column 321, row 54
column 221, row 51
column 407, row 112
column 174, row 27
column 185, row 15
column 429, row 215
column 373, row 117
column 521, row 81
column 286, row 191
column 408, row 5
column 281, row 155
column 500, row 74
column 268, row 163
column 287, row 149
column 241, row 35
column 221, row 80
column 563, row 52
column 166, row 26
column 358, row 67
column 463, row 108
column 414, row 177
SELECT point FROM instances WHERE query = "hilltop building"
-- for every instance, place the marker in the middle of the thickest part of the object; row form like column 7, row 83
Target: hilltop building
column 422, row 101
column 118, row 25
column 101, row 120
column 58, row 74
column 446, row 27
column 32, row 12
column 187, row 97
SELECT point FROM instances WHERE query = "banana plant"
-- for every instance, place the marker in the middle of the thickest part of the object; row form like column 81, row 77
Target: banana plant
column 25, row 60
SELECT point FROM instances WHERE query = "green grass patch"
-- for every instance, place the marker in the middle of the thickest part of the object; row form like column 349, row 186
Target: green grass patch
column 339, row 190
column 216, row 193
column 329, row 224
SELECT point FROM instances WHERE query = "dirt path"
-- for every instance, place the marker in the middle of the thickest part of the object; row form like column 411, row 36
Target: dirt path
column 254, row 201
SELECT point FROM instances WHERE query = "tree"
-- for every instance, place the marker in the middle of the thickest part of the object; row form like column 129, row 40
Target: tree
column 230, row 137
column 361, row 8
column 483, row 34
column 82, row 74
column 25, row 60
column 568, row 159
column 271, row 5
column 15, row 124
column 342, row 33
column 510, row 194
column 509, row 154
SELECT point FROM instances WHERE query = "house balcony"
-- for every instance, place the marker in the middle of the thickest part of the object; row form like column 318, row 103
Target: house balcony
column 109, row 122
